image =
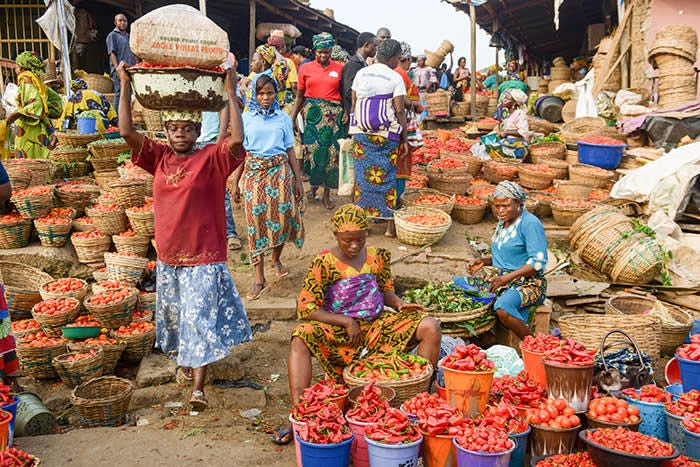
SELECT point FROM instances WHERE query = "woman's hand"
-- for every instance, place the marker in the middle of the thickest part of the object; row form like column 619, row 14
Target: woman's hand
column 354, row 333
column 403, row 149
column 298, row 191
column 475, row 265
column 345, row 118
column 498, row 282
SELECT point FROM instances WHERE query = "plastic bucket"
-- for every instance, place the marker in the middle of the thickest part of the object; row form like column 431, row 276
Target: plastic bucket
column 571, row 383
column 672, row 373
column 12, row 408
column 692, row 444
column 300, row 429
column 325, row 455
column 517, row 457
column 411, row 417
column 690, row 373
column 33, row 418
column 532, row 361
column 605, row 156
column 4, row 429
column 675, row 431
column 86, row 125
column 653, row 418
column 468, row 391
column 358, row 451
column 466, row 458
column 438, row 451
column 441, row 391
column 549, row 441
column 392, row 455
column 675, row 389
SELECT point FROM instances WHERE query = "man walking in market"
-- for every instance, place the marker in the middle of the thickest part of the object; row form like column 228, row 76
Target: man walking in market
column 366, row 48
column 119, row 51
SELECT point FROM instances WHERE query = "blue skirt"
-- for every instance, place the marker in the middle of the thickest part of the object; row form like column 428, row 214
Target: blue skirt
column 199, row 314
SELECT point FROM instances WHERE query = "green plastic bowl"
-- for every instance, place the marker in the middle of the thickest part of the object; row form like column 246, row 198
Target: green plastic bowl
column 80, row 332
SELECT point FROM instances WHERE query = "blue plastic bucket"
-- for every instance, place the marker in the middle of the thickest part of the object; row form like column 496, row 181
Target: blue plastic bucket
column 517, row 458
column 692, row 444
column 12, row 408
column 675, row 389
column 690, row 373
column 605, row 156
column 675, row 432
column 653, row 418
column 466, row 458
column 87, row 125
column 695, row 330
column 325, row 455
column 393, row 455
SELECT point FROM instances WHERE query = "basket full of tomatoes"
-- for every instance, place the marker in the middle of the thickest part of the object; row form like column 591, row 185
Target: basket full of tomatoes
column 554, row 428
column 139, row 337
column 111, row 350
column 54, row 313
column 64, row 287
column 15, row 231
column 33, row 202
column 36, row 351
column 112, row 308
column 428, row 197
column 418, row 225
column 53, row 231
column 77, row 367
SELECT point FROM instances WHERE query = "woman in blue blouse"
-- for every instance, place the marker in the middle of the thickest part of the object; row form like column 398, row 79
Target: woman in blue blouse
column 519, row 257
column 272, row 189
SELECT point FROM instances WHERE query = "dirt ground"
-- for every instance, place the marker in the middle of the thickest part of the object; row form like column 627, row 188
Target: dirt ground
column 221, row 436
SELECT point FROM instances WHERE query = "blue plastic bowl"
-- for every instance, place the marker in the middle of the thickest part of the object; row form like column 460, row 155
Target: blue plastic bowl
column 605, row 156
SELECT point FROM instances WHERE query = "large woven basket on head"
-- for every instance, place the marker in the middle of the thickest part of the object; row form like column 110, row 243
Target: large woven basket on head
column 411, row 196
column 53, row 235
column 20, row 177
column 36, row 361
column 590, row 331
column 15, row 234
column 535, row 177
column 451, row 184
column 75, row 372
column 469, row 214
column 129, row 192
column 52, row 324
column 103, row 401
column 108, row 223
column 552, row 150
column 416, row 234
column 580, row 128
column 137, row 345
column 75, row 139
column 143, row 223
column 137, row 245
column 68, row 154
column 110, row 353
column 91, row 250
column 404, row 388
column 21, row 287
column 116, row 314
column 566, row 215
column 590, row 175
column 127, row 269
column 567, row 189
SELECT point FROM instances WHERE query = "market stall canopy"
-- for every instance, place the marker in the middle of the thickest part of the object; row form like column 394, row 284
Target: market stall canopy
column 531, row 23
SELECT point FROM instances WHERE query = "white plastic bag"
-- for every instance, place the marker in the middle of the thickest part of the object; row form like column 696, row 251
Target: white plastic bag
column 346, row 168
column 506, row 360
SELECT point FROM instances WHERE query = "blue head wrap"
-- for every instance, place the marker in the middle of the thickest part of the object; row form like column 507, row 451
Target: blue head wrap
column 254, row 105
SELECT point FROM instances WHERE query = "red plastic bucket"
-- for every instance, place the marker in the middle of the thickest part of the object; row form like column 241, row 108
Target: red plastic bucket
column 358, row 451
column 534, row 366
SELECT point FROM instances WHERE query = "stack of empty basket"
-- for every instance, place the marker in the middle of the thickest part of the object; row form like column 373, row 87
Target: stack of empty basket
column 673, row 54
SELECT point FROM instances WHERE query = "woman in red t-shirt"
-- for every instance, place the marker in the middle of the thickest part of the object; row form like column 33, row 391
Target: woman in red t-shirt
column 319, row 94
column 199, row 314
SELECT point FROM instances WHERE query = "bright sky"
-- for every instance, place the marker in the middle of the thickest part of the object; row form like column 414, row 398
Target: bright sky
column 422, row 23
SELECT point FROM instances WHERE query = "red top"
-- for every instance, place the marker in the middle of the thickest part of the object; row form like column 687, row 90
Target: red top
column 320, row 83
column 411, row 89
column 188, row 201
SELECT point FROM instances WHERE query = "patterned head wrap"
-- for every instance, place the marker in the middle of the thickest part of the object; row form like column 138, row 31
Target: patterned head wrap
column 512, row 190
column 253, row 104
column 267, row 53
column 193, row 116
column 276, row 41
column 78, row 84
column 517, row 95
column 421, row 56
column 492, row 68
column 31, row 61
column 405, row 50
column 349, row 218
column 339, row 54
column 323, row 40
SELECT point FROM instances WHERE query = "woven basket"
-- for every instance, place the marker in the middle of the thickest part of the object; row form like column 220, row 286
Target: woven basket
column 108, row 223
column 468, row 214
column 553, row 150
column 629, row 305
column 74, row 139
column 143, row 223
column 409, row 197
column 109, row 150
column 591, row 224
column 639, row 262
column 91, row 250
column 15, row 234
column 138, row 345
column 104, row 163
column 103, row 177
column 114, row 315
column 567, row 215
column 438, row 102
column 21, row 333
column 52, row 324
column 54, row 235
column 673, row 335
column 466, row 333
column 61, row 171
column 560, row 168
column 128, row 192
column 83, row 226
column 99, row 83
column 461, row 316
column 580, row 128
column 560, row 73
column 76, row 199
column 566, row 189
column 539, row 125
column 590, row 332
column 432, row 169
column 482, row 104
column 413, row 234
column 572, row 156
column 485, row 126
column 40, row 169
column 474, row 164
column 103, row 401
column 37, row 361
column 501, row 170
column 34, row 206
column 147, row 301
column 533, row 179
column 78, row 294
column 544, row 205
column 461, row 109
column 138, row 245
column 100, row 275
column 110, row 353
column 592, row 176
column 75, row 372
column 20, row 177
column 127, row 269
column 404, row 389
column 60, row 154
column 152, row 120
column 472, row 189
column 451, row 184
column 21, row 288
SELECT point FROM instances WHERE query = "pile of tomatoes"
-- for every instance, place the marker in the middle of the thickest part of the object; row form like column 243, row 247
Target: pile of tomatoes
column 39, row 339
column 630, row 442
column 538, row 168
column 61, row 212
column 469, row 201
column 65, row 284
column 74, row 357
column 605, row 140
column 447, row 163
column 54, row 220
column 611, row 409
column 598, row 195
column 102, row 339
column 456, row 145
column 105, row 207
column 428, row 220
column 84, row 321
column 127, row 233
column 432, row 199
column 87, row 235
column 113, row 285
column 148, row 207
column 25, row 325
column 134, row 328
column 541, row 343
column 554, row 413
column 524, row 391
column 393, row 427
column 11, row 218
column 574, row 203
column 110, row 297
column 55, row 306
column 484, row 439
column 577, row 459
column 84, row 220
column 32, row 191
column 484, row 191
column 468, row 358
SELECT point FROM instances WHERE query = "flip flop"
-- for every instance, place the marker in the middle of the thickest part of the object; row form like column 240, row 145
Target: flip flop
column 198, row 401
column 186, row 375
column 284, row 271
column 252, row 296
column 329, row 204
column 282, row 437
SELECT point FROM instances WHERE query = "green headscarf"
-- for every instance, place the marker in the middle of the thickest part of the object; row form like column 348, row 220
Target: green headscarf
column 31, row 61
column 323, row 40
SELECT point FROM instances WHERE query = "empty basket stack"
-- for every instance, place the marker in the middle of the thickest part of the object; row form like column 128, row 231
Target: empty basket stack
column 673, row 54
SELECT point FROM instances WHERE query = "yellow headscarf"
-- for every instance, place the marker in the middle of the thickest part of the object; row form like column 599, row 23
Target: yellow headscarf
column 349, row 218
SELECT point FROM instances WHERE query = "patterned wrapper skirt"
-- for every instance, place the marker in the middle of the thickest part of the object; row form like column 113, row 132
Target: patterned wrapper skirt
column 272, row 213
column 199, row 315
column 518, row 296
column 322, row 130
column 375, row 175
column 8, row 358
column 513, row 148
column 329, row 343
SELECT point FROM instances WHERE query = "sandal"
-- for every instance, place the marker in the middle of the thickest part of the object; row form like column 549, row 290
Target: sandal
column 185, row 373
column 234, row 243
column 198, row 401
column 257, row 290
column 283, row 436
column 329, row 204
column 280, row 270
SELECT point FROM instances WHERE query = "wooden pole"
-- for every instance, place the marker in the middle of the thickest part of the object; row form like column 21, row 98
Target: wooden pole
column 251, row 34
column 203, row 7
column 472, row 19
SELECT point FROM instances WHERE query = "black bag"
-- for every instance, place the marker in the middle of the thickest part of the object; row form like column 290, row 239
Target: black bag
column 625, row 368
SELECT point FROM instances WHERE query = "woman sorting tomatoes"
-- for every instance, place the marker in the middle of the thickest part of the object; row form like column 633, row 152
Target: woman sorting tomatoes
column 342, row 304
column 199, row 314
column 519, row 257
